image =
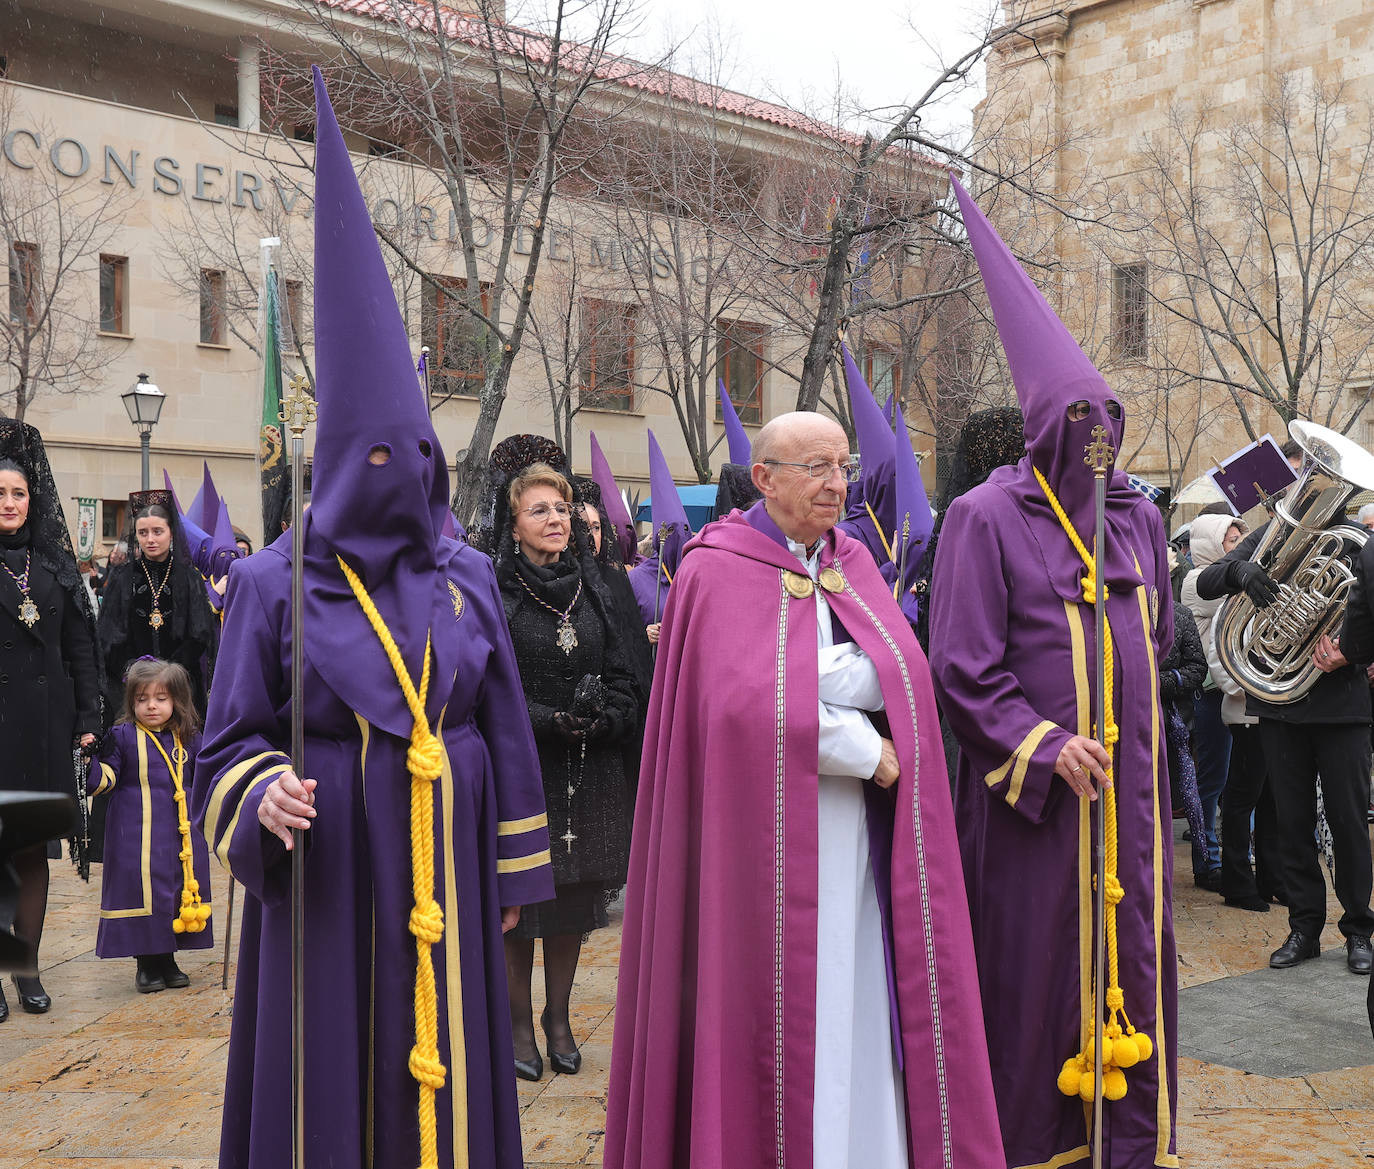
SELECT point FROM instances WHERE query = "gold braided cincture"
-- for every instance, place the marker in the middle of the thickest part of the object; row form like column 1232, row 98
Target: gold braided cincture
column 1122, row 1045
column 425, row 762
column 191, row 915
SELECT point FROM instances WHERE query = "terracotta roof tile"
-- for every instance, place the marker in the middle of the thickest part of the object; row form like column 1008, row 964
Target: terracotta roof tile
column 459, row 26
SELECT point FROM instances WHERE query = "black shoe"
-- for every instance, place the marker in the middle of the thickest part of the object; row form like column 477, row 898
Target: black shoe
column 32, row 997
column 1358, row 955
column 173, row 977
column 149, row 978
column 568, row 1065
column 1298, row 948
column 1210, row 880
column 4, row 1006
column 1254, row 903
column 530, row 1069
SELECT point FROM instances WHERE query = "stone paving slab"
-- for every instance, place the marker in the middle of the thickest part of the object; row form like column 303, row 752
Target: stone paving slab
column 112, row 1079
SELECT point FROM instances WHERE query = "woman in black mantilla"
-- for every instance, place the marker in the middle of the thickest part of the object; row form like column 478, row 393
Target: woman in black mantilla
column 49, row 679
column 154, row 604
column 583, row 704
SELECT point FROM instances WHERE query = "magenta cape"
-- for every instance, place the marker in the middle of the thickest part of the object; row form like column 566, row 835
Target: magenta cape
column 714, row 1051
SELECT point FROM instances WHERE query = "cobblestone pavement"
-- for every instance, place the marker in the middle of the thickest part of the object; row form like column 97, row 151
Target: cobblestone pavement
column 111, row 1079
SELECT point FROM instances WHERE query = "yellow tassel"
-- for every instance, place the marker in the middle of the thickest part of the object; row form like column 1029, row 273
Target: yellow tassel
column 425, row 762
column 1113, row 1083
column 192, row 916
column 1126, row 1052
column 1069, row 1076
column 1143, row 1042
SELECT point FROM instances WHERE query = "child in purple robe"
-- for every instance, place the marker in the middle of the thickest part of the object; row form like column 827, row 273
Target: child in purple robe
column 155, row 892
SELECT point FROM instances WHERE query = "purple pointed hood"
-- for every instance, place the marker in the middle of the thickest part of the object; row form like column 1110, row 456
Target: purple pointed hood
column 384, row 520
column 876, row 491
column 614, row 511
column 205, row 504
column 1051, row 371
column 1049, row 368
column 741, row 449
column 666, row 507
column 224, row 545
column 198, row 540
column 914, row 520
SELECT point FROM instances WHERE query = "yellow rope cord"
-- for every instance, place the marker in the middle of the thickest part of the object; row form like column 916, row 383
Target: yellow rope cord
column 877, row 527
column 191, row 915
column 425, row 762
column 1122, row 1045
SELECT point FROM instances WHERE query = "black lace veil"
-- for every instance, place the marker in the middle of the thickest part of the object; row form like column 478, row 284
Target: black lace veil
column 191, row 620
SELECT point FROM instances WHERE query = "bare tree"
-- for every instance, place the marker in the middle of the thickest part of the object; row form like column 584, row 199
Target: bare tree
column 53, row 230
column 677, row 197
column 885, row 194
column 493, row 118
column 1257, row 234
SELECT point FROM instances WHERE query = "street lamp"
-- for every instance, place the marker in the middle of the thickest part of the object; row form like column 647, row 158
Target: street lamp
column 143, row 401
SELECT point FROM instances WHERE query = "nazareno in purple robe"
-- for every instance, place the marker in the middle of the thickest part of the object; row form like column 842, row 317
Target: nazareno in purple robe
column 1012, row 649
column 492, row 850
column 714, row 1051
column 142, row 879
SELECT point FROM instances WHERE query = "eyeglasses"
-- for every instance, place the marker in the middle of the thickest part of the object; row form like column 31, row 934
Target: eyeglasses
column 540, row 511
column 850, row 472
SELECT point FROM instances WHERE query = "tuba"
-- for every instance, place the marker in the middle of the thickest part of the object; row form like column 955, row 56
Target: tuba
column 1309, row 549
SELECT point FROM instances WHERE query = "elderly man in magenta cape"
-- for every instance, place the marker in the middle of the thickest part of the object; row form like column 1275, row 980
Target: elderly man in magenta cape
column 1012, row 644
column 426, row 818
column 796, row 980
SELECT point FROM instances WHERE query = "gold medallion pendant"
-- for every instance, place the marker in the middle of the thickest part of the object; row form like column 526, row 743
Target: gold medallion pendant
column 567, row 636
column 28, row 613
column 798, row 584
column 156, row 619
column 832, row 580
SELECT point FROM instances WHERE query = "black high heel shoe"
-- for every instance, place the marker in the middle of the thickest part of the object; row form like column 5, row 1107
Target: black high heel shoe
column 530, row 1069
column 35, row 1000
column 568, row 1065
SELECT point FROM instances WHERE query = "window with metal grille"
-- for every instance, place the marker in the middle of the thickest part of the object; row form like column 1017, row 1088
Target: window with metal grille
column 739, row 364
column 457, row 340
column 114, row 286
column 292, row 318
column 213, row 328
column 607, row 366
column 24, row 283
column 883, row 373
column 1130, row 311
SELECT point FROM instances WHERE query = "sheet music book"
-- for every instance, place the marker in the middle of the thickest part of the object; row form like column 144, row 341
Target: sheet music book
column 1252, row 475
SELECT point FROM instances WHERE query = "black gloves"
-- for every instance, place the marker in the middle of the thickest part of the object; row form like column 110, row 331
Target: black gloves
column 1257, row 584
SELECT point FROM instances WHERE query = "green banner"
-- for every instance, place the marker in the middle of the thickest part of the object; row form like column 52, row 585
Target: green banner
column 271, row 449
column 85, row 528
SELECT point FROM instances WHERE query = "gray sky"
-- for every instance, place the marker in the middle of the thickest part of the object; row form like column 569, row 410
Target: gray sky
column 798, row 50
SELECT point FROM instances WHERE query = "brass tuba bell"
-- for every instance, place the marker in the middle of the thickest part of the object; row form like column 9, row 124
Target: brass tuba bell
column 1309, row 549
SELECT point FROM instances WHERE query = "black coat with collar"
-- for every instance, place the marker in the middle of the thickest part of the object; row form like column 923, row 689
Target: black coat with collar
column 49, row 683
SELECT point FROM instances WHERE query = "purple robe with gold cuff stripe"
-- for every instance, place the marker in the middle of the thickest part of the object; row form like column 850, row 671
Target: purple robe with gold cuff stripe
column 492, row 849
column 142, row 878
column 1013, row 658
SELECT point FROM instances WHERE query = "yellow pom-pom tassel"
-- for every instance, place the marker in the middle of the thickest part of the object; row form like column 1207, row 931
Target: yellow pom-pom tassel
column 178, row 926
column 1126, row 1052
column 1142, row 1042
column 1114, row 1084
column 1068, row 1076
column 1086, row 1086
column 203, row 912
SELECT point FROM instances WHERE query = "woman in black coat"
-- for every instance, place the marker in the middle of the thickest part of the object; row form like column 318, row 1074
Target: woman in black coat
column 154, row 604
column 583, row 706
column 49, row 681
column 1181, row 674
